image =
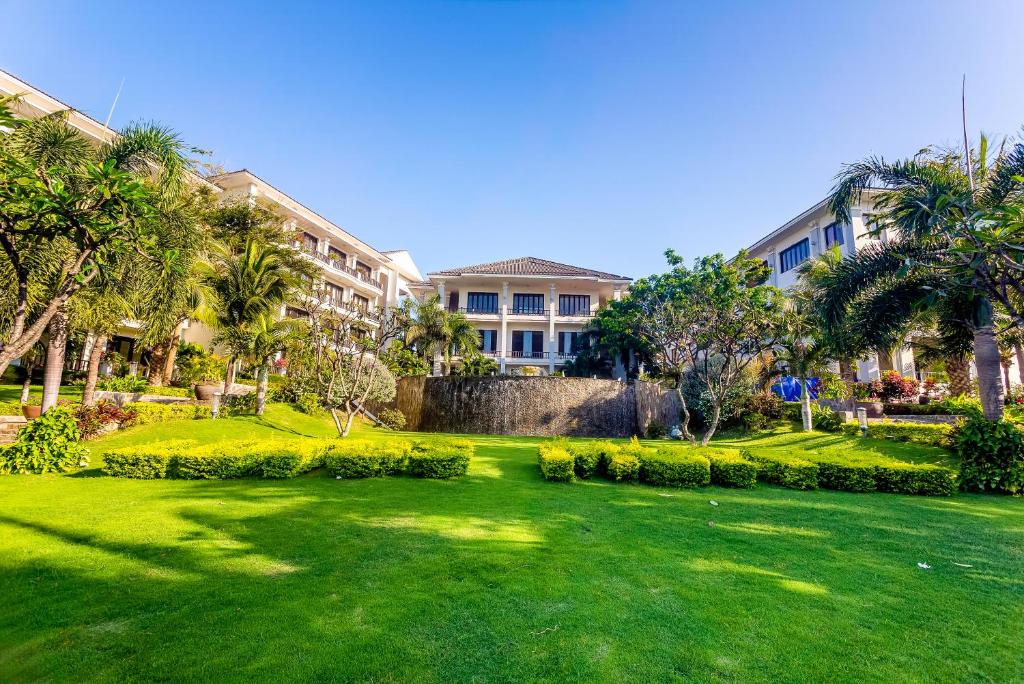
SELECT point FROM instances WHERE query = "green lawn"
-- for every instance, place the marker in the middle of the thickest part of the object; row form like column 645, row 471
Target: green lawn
column 500, row 576
column 12, row 393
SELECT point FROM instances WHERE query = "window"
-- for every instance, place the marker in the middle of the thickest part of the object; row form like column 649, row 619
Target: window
column 335, row 295
column 567, row 343
column 528, row 343
column 528, row 303
column 364, row 270
column 309, row 242
column 488, row 341
column 574, row 305
column 292, row 312
column 791, row 257
column 360, row 302
column 833, row 235
column 482, row 302
column 336, row 254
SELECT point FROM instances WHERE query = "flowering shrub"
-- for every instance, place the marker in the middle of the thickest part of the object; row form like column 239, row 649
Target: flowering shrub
column 93, row 419
column 891, row 387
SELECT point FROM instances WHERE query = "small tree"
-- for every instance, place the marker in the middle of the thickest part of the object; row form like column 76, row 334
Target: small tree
column 713, row 320
column 339, row 359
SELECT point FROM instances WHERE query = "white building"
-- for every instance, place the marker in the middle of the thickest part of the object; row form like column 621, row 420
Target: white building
column 529, row 311
column 810, row 234
column 354, row 274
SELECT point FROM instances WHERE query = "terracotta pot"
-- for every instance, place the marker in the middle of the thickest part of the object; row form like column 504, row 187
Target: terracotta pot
column 206, row 391
column 31, row 412
column 874, row 408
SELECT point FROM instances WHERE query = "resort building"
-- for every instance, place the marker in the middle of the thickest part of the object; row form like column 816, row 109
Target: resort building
column 354, row 274
column 810, row 234
column 529, row 311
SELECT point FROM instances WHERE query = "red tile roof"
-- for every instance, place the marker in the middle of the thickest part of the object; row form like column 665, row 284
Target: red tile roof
column 529, row 266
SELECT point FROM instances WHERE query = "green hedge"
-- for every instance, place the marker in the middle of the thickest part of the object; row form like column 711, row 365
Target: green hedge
column 623, row 466
column 991, row 456
column 795, row 473
column 556, row 463
column 184, row 460
column 730, row 469
column 926, row 434
column 440, row 458
column 145, row 461
column 675, row 468
column 289, row 459
column 847, row 477
column 355, row 458
column 915, row 478
column 147, row 413
column 591, row 458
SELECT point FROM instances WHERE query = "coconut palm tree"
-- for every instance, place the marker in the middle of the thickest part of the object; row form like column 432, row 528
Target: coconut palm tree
column 946, row 210
column 248, row 285
column 437, row 332
column 266, row 336
column 801, row 346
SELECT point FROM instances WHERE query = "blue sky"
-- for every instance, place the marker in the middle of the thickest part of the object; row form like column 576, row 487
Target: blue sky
column 595, row 133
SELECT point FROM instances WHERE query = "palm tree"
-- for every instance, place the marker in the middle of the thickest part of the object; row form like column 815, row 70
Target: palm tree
column 248, row 285
column 265, row 337
column 800, row 349
column 437, row 332
column 946, row 209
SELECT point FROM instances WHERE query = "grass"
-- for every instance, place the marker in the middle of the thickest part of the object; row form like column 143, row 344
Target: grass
column 12, row 393
column 500, row 576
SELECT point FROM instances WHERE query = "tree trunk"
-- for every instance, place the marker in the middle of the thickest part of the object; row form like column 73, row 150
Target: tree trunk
column 262, row 380
column 1020, row 362
column 229, row 376
column 846, row 370
column 959, row 373
column 157, row 361
column 350, row 414
column 1006, row 377
column 26, row 387
column 716, row 413
column 684, row 427
column 805, row 404
column 54, row 369
column 172, row 354
column 986, row 358
column 99, row 348
column 337, row 422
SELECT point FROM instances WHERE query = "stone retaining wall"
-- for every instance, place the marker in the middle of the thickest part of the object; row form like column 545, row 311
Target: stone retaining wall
column 543, row 406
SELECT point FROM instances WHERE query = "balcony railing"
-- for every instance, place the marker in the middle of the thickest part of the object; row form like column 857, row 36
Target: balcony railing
column 343, row 267
column 478, row 310
column 497, row 354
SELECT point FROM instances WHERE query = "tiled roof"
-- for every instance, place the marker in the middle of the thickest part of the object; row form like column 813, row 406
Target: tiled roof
column 529, row 266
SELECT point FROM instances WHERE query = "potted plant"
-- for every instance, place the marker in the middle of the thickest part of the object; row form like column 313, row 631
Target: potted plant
column 31, row 411
column 202, row 370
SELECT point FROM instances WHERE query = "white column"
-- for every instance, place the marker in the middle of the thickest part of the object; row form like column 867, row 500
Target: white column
column 324, row 245
column 552, row 347
column 773, row 264
column 440, row 295
column 617, row 294
column 504, row 326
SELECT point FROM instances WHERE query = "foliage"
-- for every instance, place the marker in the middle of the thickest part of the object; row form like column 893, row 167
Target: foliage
column 656, row 430
column 144, row 461
column 936, row 435
column 476, row 366
column 238, row 404
column 129, row 383
column 10, row 408
column 760, row 411
column 146, row 413
column 991, row 456
column 435, row 331
column 915, row 478
column 962, row 405
column 48, row 444
column 440, row 458
column 393, row 418
column 359, row 458
column 890, row 387
column 196, row 365
column 403, row 361
column 591, row 458
column 556, row 463
column 730, row 469
column 847, row 477
column 831, row 386
column 675, row 468
column 92, row 419
column 825, row 419
column 792, row 472
column 309, row 403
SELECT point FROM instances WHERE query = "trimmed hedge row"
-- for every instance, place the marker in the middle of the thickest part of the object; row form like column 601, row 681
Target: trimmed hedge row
column 147, row 413
column 730, row 469
column 675, row 468
column 926, row 434
column 183, row 459
column 881, row 475
column 556, row 463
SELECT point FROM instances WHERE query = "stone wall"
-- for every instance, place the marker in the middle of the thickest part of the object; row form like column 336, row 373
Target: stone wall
column 541, row 406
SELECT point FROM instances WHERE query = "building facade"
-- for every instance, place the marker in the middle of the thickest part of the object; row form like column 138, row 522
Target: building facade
column 529, row 311
column 809, row 235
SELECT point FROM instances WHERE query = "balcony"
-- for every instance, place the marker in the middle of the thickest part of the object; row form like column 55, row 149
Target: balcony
column 332, row 263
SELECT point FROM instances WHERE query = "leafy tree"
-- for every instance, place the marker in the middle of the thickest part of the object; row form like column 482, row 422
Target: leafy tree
column 801, row 349
column 403, row 361
column 958, row 217
column 476, row 366
column 713, row 319
column 68, row 209
column 264, row 338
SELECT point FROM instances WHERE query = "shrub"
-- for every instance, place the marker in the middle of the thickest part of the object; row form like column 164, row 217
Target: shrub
column 915, row 478
column 991, row 456
column 168, row 391
column 847, row 477
column 215, row 462
column 963, row 406
column 623, row 466
column 656, row 430
column 93, row 419
column 761, row 411
column 195, row 365
column 675, row 468
column 556, row 463
column 48, row 444
column 282, row 460
column 310, row 404
column 730, row 469
column 591, row 458
column 825, row 419
column 10, row 408
column 143, row 462
column 791, row 411
column 915, row 433
column 795, row 473
column 440, row 458
column 238, row 404
column 128, row 383
column 935, row 408
column 353, row 458
column 393, row 418
column 147, row 413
